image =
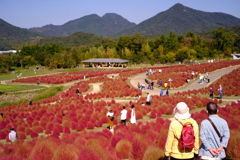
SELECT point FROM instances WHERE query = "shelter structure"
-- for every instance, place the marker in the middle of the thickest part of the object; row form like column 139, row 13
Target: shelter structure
column 235, row 56
column 106, row 62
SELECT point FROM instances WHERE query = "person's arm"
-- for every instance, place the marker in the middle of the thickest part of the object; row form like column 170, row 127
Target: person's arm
column 203, row 135
column 226, row 136
column 196, row 134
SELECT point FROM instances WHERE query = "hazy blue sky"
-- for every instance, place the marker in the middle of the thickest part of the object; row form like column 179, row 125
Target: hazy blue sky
column 37, row 13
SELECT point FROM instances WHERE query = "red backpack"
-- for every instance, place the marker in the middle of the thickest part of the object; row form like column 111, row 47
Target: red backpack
column 187, row 138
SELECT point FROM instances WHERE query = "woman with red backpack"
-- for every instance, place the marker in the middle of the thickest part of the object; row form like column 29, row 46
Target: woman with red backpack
column 183, row 135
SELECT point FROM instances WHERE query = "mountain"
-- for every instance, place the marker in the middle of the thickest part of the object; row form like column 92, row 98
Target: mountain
column 106, row 25
column 76, row 39
column 180, row 19
column 11, row 35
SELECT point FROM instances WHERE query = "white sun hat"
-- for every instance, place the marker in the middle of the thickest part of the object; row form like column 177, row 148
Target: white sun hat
column 182, row 111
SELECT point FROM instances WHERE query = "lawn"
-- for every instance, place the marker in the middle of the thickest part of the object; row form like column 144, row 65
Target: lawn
column 15, row 88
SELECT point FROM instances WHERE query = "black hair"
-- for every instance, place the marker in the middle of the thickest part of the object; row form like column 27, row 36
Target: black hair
column 132, row 106
column 124, row 107
column 212, row 108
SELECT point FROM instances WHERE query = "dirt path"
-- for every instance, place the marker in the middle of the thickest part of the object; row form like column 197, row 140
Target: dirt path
column 193, row 85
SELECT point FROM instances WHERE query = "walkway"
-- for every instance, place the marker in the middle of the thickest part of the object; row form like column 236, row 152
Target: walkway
column 194, row 85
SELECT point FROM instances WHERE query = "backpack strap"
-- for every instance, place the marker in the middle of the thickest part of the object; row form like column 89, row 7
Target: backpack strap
column 185, row 124
column 215, row 128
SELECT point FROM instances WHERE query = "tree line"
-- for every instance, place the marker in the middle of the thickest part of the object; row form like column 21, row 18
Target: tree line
column 136, row 48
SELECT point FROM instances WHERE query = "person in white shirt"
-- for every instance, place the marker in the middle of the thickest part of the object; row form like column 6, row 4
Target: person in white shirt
column 193, row 74
column 123, row 116
column 12, row 135
column 148, row 101
column 133, row 115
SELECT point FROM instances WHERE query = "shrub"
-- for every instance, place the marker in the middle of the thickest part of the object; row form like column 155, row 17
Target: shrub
column 44, row 149
column 28, row 131
column 124, row 148
column 98, row 124
column 90, row 125
column 23, row 150
column 3, row 134
column 93, row 150
column 65, row 152
column 153, row 153
column 48, row 131
column 153, row 114
column 139, row 146
column 37, row 129
column 66, row 130
column 33, row 134
column 21, row 135
column 56, row 131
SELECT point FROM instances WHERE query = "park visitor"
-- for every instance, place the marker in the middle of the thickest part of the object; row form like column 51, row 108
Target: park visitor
column 214, row 134
column 110, row 116
column 220, row 91
column 174, row 143
column 12, row 135
column 133, row 115
column 123, row 116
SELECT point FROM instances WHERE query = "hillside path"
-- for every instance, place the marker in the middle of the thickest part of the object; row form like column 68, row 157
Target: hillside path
column 193, row 85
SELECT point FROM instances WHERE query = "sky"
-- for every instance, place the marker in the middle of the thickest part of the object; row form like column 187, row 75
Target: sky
column 38, row 13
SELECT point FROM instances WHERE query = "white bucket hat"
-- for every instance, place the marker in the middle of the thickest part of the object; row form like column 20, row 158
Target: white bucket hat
column 182, row 111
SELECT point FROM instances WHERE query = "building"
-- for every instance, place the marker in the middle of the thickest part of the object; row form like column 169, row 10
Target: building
column 106, row 62
column 235, row 56
column 10, row 51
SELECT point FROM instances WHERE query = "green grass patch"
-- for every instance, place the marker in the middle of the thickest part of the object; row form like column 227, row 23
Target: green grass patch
column 41, row 71
column 40, row 94
column 16, row 88
column 49, row 92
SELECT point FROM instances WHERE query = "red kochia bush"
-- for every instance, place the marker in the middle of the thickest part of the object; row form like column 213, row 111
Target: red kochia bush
column 56, row 131
column 33, row 134
column 3, row 134
column 153, row 114
column 90, row 125
column 37, row 129
column 66, row 130
column 139, row 146
column 93, row 150
column 65, row 152
column 44, row 149
column 21, row 135
column 124, row 148
column 98, row 124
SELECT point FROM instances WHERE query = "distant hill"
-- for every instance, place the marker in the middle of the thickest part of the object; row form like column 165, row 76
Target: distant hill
column 180, row 19
column 209, row 33
column 106, row 25
column 11, row 35
column 76, row 39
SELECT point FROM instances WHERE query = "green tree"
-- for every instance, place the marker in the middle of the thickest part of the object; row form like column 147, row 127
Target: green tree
column 170, row 57
column 172, row 42
column 182, row 54
column 223, row 40
column 192, row 54
column 28, row 61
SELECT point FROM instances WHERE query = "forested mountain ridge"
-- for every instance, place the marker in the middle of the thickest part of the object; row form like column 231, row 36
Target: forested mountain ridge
column 76, row 39
column 11, row 35
column 181, row 19
column 106, row 25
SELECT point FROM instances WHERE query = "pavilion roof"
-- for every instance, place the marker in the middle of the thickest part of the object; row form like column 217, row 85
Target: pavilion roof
column 106, row 60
